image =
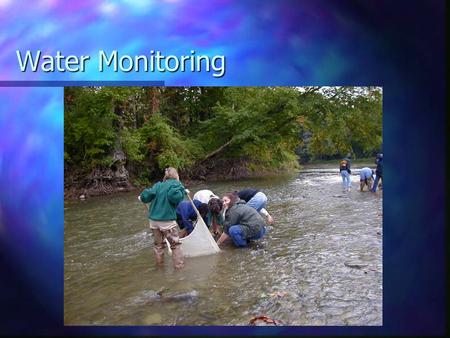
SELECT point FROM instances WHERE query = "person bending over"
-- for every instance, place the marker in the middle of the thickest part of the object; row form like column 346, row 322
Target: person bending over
column 186, row 215
column 204, row 195
column 257, row 200
column 365, row 178
column 215, row 216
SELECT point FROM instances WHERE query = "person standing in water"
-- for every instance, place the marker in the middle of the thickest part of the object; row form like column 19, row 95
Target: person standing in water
column 378, row 171
column 164, row 197
column 345, row 171
column 242, row 222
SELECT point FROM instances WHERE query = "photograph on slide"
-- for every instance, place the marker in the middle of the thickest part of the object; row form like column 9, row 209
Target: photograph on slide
column 223, row 206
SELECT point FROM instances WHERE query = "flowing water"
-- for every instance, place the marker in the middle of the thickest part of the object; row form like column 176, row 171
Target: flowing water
column 319, row 264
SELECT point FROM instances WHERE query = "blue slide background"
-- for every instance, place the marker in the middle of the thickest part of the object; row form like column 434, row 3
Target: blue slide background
column 398, row 45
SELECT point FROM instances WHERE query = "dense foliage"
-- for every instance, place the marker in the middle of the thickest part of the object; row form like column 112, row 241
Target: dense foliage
column 266, row 127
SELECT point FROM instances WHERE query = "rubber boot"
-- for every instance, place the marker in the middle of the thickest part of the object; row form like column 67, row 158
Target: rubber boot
column 177, row 257
column 175, row 245
column 159, row 255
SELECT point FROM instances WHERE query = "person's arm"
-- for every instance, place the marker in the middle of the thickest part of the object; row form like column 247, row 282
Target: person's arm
column 215, row 225
column 266, row 213
column 188, row 225
column 148, row 194
column 222, row 238
column 231, row 218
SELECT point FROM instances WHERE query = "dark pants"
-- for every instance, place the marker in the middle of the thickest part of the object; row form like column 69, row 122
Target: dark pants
column 375, row 184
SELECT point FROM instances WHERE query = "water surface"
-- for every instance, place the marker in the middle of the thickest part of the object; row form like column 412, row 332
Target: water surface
column 319, row 264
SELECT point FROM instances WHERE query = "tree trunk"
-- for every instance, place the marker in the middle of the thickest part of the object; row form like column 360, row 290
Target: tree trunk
column 218, row 150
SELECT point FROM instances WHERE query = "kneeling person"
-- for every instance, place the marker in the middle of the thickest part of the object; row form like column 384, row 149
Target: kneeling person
column 242, row 223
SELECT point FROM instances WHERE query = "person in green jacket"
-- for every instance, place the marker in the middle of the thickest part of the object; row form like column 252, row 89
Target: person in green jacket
column 164, row 197
column 242, row 223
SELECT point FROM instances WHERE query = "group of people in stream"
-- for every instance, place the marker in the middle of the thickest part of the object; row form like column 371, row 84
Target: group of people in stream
column 239, row 215
column 366, row 175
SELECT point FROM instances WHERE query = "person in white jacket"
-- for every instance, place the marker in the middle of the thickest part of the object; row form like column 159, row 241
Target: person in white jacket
column 204, row 196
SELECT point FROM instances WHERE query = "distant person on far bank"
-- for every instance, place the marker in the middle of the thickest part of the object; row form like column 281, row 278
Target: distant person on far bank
column 164, row 197
column 378, row 171
column 365, row 178
column 345, row 171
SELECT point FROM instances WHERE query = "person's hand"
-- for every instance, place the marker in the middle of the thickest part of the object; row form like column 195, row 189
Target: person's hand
column 139, row 198
column 187, row 191
column 269, row 219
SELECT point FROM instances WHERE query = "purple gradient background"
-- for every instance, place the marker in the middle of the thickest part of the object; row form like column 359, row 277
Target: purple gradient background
column 398, row 45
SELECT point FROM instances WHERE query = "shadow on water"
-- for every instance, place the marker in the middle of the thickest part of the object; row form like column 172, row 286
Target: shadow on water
column 319, row 264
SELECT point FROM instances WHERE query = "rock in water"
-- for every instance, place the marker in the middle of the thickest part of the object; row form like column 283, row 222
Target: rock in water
column 162, row 295
column 180, row 296
column 355, row 265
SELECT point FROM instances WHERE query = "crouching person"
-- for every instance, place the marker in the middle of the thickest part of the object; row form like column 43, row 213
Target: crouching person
column 164, row 197
column 242, row 223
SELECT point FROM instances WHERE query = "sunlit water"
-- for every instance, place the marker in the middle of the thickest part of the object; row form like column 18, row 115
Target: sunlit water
column 319, row 264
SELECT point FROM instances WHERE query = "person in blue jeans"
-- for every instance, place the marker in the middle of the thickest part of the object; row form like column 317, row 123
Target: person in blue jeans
column 242, row 223
column 365, row 178
column 378, row 171
column 186, row 215
column 345, row 171
column 257, row 200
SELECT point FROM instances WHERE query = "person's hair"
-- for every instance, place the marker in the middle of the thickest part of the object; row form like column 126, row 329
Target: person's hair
column 170, row 172
column 203, row 209
column 215, row 205
column 233, row 196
